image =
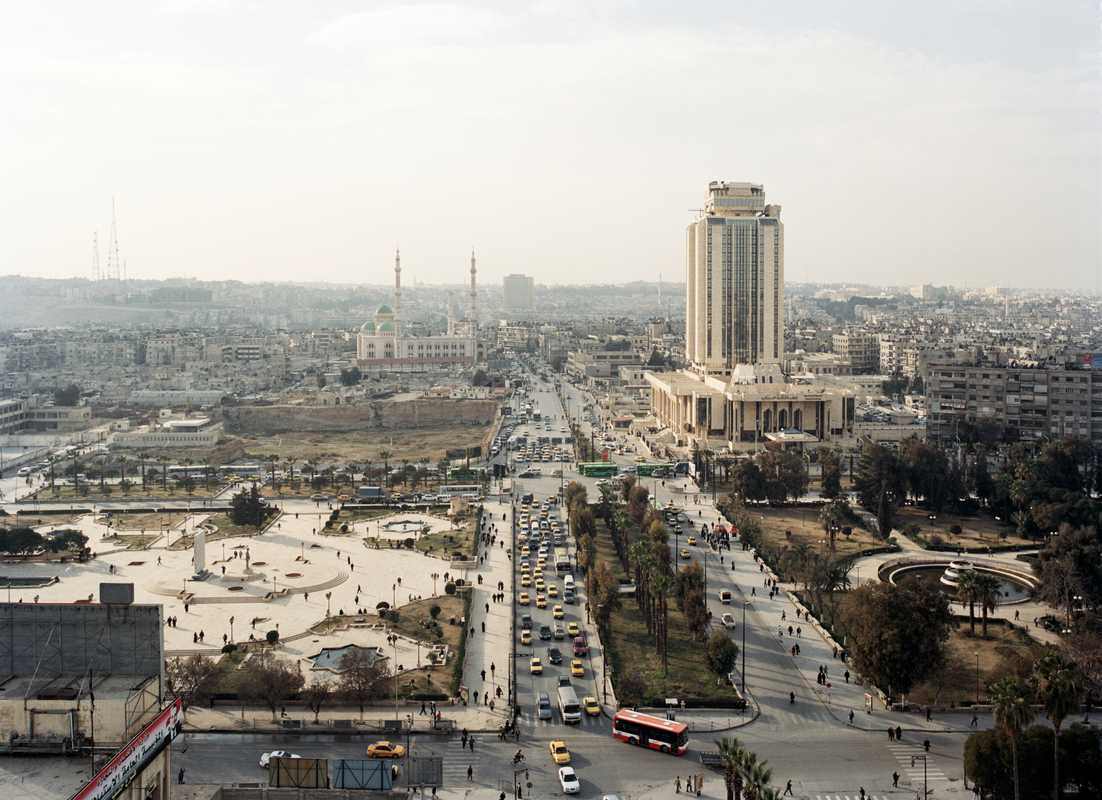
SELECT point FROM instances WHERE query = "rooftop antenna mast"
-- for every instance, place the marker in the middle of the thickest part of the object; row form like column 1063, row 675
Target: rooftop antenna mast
column 114, row 264
column 95, row 256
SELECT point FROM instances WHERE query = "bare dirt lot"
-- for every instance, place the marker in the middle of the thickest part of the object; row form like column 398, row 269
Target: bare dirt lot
column 977, row 531
column 803, row 523
column 364, row 447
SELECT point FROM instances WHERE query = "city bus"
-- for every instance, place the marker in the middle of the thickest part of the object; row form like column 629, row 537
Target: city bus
column 646, row 469
column 656, row 733
column 470, row 491
column 598, row 469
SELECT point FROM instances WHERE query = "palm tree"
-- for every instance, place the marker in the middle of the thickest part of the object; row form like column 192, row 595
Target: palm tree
column 987, row 595
column 385, row 456
column 758, row 775
column 731, row 752
column 1060, row 686
column 966, row 593
column 1010, row 700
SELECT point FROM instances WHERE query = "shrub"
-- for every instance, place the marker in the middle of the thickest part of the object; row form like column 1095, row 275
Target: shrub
column 449, row 588
column 434, row 611
column 272, row 636
column 847, row 531
column 955, row 530
column 229, row 648
column 408, row 543
column 344, row 527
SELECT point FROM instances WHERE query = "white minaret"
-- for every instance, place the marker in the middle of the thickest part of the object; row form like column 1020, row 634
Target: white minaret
column 397, row 297
column 474, row 295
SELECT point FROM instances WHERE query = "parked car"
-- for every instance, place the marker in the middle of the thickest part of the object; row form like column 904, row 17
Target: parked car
column 266, row 758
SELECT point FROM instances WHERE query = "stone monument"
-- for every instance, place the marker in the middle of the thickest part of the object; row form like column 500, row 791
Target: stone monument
column 199, row 556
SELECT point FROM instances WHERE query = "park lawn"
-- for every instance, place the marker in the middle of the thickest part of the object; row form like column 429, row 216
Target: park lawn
column 803, row 522
column 226, row 530
column 977, row 531
column 144, row 520
column 37, row 520
column 413, row 617
column 445, row 544
column 632, row 648
column 133, row 541
column 1007, row 650
column 151, row 491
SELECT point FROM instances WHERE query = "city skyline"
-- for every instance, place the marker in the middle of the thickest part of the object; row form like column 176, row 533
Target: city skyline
column 311, row 145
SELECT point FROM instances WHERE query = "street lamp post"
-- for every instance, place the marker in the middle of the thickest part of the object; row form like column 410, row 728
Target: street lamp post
column 925, row 783
column 392, row 639
column 231, row 630
column 328, row 595
column 977, row 677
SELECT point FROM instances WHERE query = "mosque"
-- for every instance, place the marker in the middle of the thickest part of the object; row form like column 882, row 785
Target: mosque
column 381, row 343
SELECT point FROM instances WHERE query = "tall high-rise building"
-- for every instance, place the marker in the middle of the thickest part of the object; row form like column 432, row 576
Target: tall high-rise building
column 518, row 291
column 734, row 311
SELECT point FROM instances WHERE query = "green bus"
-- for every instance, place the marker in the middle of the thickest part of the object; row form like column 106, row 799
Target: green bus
column 598, row 469
column 647, row 469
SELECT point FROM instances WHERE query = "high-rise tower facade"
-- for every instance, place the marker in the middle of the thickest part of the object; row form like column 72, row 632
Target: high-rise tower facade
column 734, row 312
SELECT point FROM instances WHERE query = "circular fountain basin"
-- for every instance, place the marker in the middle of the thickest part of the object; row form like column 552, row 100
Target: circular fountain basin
column 1013, row 587
column 403, row 526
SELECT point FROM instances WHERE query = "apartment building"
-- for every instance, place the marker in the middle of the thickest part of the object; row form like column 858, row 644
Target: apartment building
column 861, row 348
column 1023, row 401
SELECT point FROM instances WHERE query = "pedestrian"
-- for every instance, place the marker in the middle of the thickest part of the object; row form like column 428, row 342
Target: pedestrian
column 483, row 673
column 422, row 709
column 895, row 780
column 470, row 772
column 677, row 784
column 862, row 793
column 483, row 627
column 788, row 789
column 898, row 734
column 470, row 743
column 929, row 714
column 975, row 723
column 851, row 716
column 180, row 776
column 847, row 676
column 464, row 739
column 891, row 734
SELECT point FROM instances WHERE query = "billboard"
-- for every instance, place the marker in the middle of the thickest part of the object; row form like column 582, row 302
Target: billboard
column 116, row 774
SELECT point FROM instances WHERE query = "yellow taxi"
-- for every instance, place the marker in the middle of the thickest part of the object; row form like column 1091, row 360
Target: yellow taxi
column 577, row 669
column 541, row 601
column 525, row 581
column 524, row 567
column 538, row 571
column 572, row 628
column 684, row 553
column 525, row 551
column 540, row 585
column 535, row 666
column 691, row 540
column 541, row 562
column 385, row 750
column 591, row 706
column 559, row 752
column 557, row 611
column 552, row 591
column 523, row 599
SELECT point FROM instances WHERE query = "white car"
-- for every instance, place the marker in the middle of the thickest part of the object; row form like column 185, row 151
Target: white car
column 728, row 621
column 266, row 757
column 568, row 779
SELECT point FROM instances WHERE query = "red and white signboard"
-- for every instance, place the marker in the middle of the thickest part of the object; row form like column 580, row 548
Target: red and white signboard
column 117, row 773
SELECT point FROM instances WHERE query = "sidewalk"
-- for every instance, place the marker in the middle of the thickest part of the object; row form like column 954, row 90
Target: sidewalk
column 337, row 719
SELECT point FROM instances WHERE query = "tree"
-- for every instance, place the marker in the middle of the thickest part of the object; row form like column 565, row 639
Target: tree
column 385, row 456
column 966, row 593
column 248, row 508
column 987, row 595
column 897, row 634
column 1060, row 690
column 830, row 464
column 638, row 503
column 722, row 653
column 731, row 753
column 362, row 677
column 982, row 483
column 21, row 541
column 784, row 473
column 321, row 380
column 69, row 396
column 270, row 680
column 880, row 484
column 191, row 679
column 1011, row 704
column 351, row 377
column 315, row 695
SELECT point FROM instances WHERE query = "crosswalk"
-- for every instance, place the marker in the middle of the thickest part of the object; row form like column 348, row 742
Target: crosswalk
column 816, row 714
column 913, row 768
column 457, row 759
column 528, row 719
column 855, row 796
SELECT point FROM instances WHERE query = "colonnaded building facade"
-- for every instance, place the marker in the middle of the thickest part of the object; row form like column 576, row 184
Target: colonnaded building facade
column 381, row 342
column 734, row 394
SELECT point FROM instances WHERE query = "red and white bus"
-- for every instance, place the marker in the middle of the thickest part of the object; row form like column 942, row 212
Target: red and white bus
column 644, row 730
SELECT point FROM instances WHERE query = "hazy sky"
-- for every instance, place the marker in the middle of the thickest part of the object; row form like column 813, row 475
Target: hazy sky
column 948, row 142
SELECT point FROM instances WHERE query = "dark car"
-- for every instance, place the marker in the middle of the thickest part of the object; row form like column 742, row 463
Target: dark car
column 554, row 655
column 526, row 622
column 545, row 632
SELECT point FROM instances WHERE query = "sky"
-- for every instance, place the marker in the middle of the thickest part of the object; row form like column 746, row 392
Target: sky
column 947, row 142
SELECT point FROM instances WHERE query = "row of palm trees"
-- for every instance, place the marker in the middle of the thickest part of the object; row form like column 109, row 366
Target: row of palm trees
column 978, row 588
column 745, row 776
column 1058, row 685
